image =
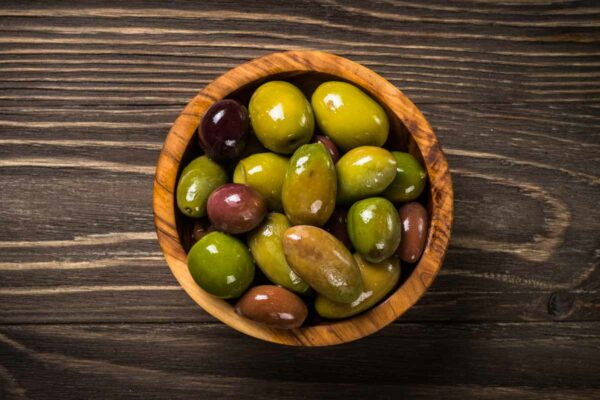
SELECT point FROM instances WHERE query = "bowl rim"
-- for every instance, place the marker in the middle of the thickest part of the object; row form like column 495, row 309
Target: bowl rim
column 440, row 186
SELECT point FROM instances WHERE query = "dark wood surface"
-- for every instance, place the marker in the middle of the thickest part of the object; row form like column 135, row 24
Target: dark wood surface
column 88, row 307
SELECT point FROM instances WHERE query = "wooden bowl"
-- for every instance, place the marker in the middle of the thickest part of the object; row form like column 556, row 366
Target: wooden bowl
column 409, row 131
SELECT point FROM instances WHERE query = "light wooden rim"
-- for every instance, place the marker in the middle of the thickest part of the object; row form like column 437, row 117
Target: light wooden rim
column 441, row 197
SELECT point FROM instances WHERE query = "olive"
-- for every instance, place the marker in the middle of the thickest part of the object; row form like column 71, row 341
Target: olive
column 265, row 173
column 414, row 222
column 201, row 228
column 329, row 145
column 349, row 116
column 378, row 280
column 272, row 306
column 310, row 186
column 235, row 208
column 323, row 262
column 198, row 179
column 374, row 228
column 221, row 265
column 265, row 243
column 364, row 172
column 338, row 226
column 224, row 129
column 409, row 181
column 281, row 117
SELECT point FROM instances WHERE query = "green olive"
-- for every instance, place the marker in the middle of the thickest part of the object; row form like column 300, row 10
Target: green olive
column 410, row 179
column 323, row 262
column 378, row 280
column 349, row 116
column 374, row 228
column 267, row 249
column 198, row 179
column 265, row 173
column 281, row 117
column 310, row 186
column 364, row 172
column 221, row 265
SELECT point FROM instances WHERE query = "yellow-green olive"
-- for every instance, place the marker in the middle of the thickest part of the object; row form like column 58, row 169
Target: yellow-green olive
column 281, row 117
column 267, row 249
column 349, row 116
column 374, row 228
column 323, row 262
column 310, row 186
column 221, row 265
column 198, row 179
column 378, row 280
column 409, row 181
column 265, row 173
column 364, row 172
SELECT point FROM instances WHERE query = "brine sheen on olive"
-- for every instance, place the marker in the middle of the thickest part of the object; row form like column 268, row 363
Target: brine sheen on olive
column 378, row 280
column 374, row 228
column 309, row 187
column 281, row 117
column 198, row 179
column 348, row 116
column 323, row 262
column 265, row 243
column 224, row 130
column 409, row 181
column 329, row 145
column 272, row 306
column 265, row 173
column 235, row 208
column 221, row 265
column 364, row 172
column 414, row 221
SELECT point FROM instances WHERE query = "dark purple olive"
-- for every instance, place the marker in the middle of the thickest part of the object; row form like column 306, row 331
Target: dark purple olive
column 337, row 226
column 414, row 221
column 329, row 145
column 235, row 208
column 201, row 228
column 224, row 130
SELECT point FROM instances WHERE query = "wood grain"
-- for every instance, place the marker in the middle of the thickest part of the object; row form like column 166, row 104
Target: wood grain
column 511, row 90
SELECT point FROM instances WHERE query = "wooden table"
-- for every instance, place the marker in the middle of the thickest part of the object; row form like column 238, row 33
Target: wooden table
column 88, row 307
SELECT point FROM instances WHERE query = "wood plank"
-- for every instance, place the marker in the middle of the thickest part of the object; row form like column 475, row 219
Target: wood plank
column 160, row 54
column 495, row 361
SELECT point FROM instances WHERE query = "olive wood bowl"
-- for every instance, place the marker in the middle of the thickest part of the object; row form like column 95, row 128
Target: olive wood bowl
column 409, row 131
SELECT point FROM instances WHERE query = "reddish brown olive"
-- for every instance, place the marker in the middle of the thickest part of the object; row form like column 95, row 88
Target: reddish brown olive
column 235, row 208
column 273, row 306
column 338, row 226
column 414, row 221
column 329, row 145
column 200, row 228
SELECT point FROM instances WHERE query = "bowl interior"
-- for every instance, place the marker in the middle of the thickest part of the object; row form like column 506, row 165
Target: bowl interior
column 399, row 139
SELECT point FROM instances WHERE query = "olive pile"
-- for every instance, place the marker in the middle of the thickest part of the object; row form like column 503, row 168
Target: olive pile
column 300, row 219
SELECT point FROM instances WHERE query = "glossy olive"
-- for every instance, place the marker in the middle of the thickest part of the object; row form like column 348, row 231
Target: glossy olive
column 310, row 185
column 349, row 116
column 364, row 172
column 198, row 179
column 221, row 265
column 338, row 226
column 374, row 228
column 409, row 181
column 323, row 262
column 272, row 306
column 378, row 280
column 235, row 208
column 265, row 243
column 224, row 129
column 414, row 221
column 281, row 117
column 265, row 173
column 329, row 145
